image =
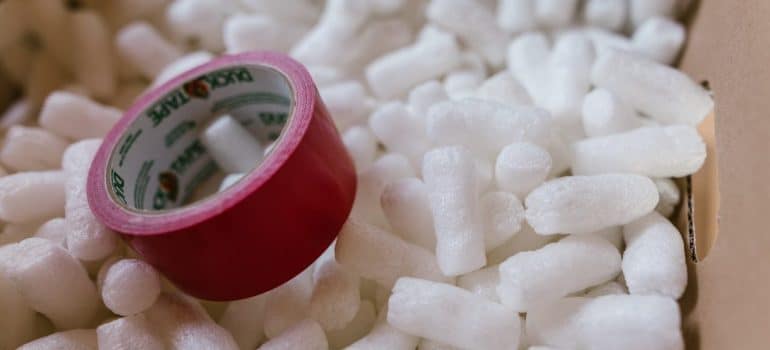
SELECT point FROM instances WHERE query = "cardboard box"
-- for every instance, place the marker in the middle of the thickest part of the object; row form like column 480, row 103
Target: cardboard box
column 727, row 302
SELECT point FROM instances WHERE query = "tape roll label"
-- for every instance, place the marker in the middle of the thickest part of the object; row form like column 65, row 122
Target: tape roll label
column 159, row 162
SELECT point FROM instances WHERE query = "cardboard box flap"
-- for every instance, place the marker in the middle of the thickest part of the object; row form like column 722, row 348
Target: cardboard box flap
column 727, row 304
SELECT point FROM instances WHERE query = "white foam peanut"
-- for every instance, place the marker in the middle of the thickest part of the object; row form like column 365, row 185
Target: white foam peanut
column 346, row 102
column 18, row 321
column 516, row 16
column 502, row 214
column 669, row 196
column 184, row 324
column 641, row 10
column 661, row 92
column 372, row 181
column 434, row 54
column 671, row 151
column 555, row 13
column 650, row 238
column 233, row 147
column 484, row 126
column 76, row 117
column 482, row 282
column 130, row 332
column 93, row 53
column 660, row 39
column 245, row 319
column 522, row 166
column 528, row 57
column 229, row 180
column 503, row 88
column 181, row 65
column 334, row 33
column 609, row 288
column 81, row 339
column 306, row 334
column 140, row 45
column 54, row 283
column 378, row 37
column 452, row 315
column 427, row 344
column 605, row 40
column 87, row 238
column 385, row 7
column 21, row 194
column 462, row 83
column 608, row 14
column 525, row 240
column 199, row 21
column 385, row 336
column 473, row 23
column 336, row 297
column 31, row 148
column 473, row 62
column 567, row 78
column 485, row 173
column 361, row 324
column 288, row 304
column 399, row 130
column 422, row 96
column 381, row 256
column 608, row 322
column 130, row 287
column 556, row 270
column 292, row 11
column 259, row 32
column 605, row 200
column 406, row 206
column 450, row 176
column 326, row 75
column 561, row 159
column 605, row 114
column 361, row 145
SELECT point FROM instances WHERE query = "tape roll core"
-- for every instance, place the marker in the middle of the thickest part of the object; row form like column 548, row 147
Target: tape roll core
column 261, row 231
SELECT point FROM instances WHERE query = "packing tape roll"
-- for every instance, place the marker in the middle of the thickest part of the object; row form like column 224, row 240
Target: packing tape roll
column 260, row 232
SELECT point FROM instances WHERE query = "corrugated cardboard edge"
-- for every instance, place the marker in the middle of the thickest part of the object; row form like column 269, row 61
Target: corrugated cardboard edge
column 727, row 303
column 701, row 191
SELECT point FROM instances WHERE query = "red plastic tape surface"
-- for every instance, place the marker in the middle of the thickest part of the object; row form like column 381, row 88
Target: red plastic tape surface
column 260, row 232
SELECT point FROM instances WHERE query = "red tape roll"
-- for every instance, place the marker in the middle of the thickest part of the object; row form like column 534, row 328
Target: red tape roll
column 260, row 232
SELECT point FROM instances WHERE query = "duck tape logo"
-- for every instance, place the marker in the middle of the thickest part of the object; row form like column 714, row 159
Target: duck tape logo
column 200, row 87
column 169, row 185
column 168, row 181
column 168, row 190
column 197, row 88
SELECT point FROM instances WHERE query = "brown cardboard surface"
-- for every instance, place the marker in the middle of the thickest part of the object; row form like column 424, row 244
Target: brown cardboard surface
column 727, row 304
column 6, row 91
